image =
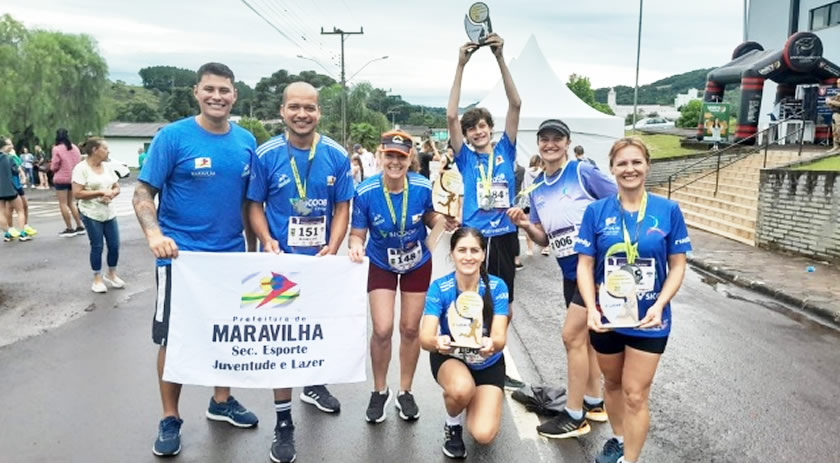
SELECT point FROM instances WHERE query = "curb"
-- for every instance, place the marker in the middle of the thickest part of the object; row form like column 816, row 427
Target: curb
column 822, row 313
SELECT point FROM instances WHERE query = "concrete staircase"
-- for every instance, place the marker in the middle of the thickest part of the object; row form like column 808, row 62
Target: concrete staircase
column 732, row 211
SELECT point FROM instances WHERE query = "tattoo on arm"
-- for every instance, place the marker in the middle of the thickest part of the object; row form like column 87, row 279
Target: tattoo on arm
column 144, row 207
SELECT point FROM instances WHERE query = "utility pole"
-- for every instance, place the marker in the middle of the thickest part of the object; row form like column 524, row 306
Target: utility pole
column 638, row 53
column 342, row 33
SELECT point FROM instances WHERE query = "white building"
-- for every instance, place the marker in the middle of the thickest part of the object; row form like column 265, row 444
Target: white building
column 125, row 138
column 683, row 99
column 623, row 110
column 771, row 22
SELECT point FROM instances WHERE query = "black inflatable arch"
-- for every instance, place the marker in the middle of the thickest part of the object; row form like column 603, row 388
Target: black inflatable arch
column 799, row 62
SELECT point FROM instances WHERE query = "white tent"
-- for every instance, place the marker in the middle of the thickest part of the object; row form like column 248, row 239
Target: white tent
column 544, row 96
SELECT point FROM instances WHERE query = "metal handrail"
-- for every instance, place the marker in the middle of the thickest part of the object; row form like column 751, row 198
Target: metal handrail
column 741, row 156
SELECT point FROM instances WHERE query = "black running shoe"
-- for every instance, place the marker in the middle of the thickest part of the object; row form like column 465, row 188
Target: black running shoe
column 283, row 446
column 407, row 406
column 512, row 384
column 595, row 412
column 453, row 444
column 376, row 407
column 563, row 426
column 320, row 397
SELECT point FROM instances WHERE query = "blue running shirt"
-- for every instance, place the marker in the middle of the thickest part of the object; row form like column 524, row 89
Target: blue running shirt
column 202, row 178
column 662, row 233
column 330, row 181
column 494, row 222
column 560, row 201
column 442, row 294
column 370, row 211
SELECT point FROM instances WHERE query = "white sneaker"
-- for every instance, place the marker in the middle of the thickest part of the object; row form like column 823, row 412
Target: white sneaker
column 98, row 287
column 115, row 282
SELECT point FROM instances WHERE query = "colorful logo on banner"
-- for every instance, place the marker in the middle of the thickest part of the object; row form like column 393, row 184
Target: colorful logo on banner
column 273, row 291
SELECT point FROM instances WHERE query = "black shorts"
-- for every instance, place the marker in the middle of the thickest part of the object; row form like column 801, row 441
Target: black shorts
column 614, row 343
column 63, row 187
column 20, row 191
column 8, row 198
column 160, row 322
column 571, row 294
column 494, row 375
column 502, row 250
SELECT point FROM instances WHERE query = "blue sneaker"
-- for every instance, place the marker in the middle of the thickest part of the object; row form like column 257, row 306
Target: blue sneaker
column 612, row 451
column 233, row 412
column 168, row 441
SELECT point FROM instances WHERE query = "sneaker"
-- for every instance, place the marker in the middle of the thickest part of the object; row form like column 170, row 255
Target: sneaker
column 79, row 231
column 563, row 426
column 376, row 407
column 519, row 266
column 168, row 442
column 407, row 406
column 283, row 445
column 453, row 443
column 23, row 236
column 512, row 384
column 67, row 233
column 7, row 237
column 30, row 231
column 98, row 287
column 13, row 232
column 545, row 252
column 320, row 397
column 612, row 451
column 231, row 411
column 595, row 412
column 115, row 282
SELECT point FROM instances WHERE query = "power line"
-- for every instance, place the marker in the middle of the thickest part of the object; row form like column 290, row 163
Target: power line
column 342, row 33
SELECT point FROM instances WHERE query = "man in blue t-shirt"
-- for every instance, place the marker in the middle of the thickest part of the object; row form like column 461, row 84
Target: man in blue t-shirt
column 200, row 167
column 300, row 191
column 488, row 171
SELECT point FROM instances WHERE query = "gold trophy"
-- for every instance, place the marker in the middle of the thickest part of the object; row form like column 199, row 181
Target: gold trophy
column 465, row 318
column 477, row 22
column 446, row 192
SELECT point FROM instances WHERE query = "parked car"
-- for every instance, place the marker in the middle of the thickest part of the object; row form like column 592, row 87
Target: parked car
column 651, row 123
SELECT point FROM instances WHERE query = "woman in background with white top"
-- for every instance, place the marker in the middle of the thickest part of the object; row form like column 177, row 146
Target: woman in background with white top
column 96, row 185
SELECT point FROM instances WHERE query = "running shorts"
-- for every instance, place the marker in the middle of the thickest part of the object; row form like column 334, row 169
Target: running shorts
column 494, row 375
column 415, row 281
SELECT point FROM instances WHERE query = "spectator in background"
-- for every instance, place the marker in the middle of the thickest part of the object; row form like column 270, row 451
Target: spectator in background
column 96, row 185
column 519, row 176
column 9, row 193
column 428, row 153
column 358, row 168
column 531, row 173
column 141, row 157
column 28, row 166
column 580, row 157
column 19, row 205
column 43, row 161
column 369, row 161
column 65, row 156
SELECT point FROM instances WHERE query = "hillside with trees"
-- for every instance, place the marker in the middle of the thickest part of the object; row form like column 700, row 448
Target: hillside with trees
column 661, row 92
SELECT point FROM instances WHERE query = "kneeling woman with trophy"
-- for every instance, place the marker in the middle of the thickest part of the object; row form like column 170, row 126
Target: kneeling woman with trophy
column 465, row 329
column 631, row 262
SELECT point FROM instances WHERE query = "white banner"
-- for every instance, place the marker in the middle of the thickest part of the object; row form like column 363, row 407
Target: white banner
column 261, row 320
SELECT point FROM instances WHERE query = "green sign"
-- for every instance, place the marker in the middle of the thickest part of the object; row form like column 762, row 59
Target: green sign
column 716, row 122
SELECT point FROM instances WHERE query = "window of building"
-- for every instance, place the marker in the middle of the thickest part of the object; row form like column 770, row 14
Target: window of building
column 825, row 16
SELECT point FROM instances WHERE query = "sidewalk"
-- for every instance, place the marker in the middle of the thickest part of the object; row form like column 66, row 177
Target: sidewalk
column 780, row 276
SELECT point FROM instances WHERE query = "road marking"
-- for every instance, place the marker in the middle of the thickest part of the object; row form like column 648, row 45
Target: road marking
column 526, row 422
column 48, row 209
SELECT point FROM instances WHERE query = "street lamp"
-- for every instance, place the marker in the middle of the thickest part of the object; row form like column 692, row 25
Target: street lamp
column 318, row 63
column 366, row 65
column 638, row 51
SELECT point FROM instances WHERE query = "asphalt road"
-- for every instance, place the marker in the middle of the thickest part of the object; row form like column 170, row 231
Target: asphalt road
column 743, row 378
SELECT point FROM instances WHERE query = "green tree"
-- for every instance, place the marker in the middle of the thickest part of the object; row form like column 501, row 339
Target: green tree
column 365, row 134
column 137, row 111
column 167, row 78
column 628, row 119
column 690, row 114
column 245, row 96
column 268, row 93
column 580, row 86
column 256, row 128
column 58, row 81
column 180, row 104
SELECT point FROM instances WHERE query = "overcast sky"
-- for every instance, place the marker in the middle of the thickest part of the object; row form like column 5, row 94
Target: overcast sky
column 595, row 38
